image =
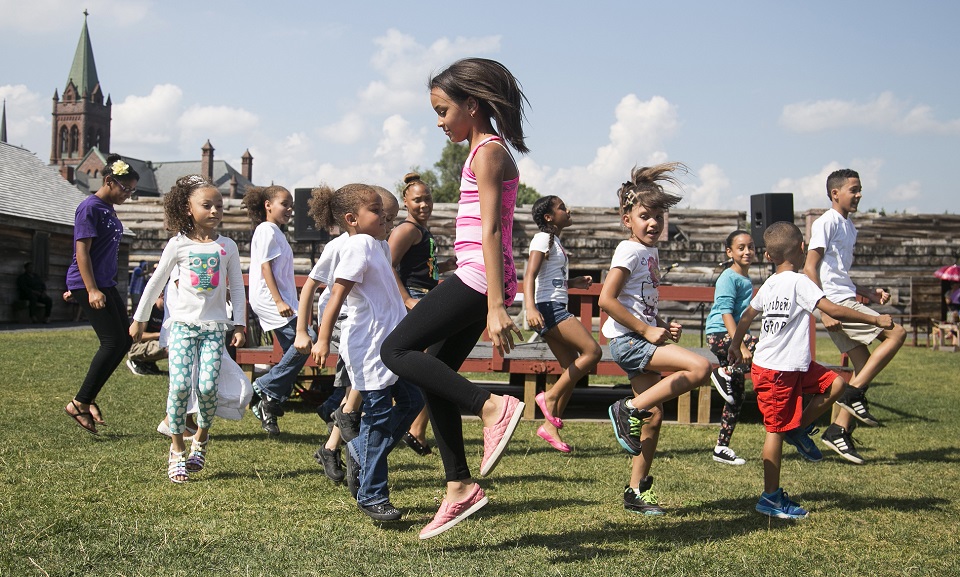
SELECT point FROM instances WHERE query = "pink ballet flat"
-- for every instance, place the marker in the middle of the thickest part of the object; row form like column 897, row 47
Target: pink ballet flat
column 542, row 403
column 554, row 442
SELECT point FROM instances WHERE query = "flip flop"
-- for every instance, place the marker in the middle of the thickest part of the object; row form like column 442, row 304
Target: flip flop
column 91, row 428
column 419, row 448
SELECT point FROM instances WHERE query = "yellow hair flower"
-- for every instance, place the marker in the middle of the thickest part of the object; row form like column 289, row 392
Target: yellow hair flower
column 119, row 168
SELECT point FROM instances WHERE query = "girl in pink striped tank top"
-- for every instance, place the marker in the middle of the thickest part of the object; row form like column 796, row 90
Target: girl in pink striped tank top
column 469, row 97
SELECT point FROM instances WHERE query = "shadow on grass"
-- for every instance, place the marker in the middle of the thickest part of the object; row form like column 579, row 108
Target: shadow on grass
column 848, row 502
column 939, row 455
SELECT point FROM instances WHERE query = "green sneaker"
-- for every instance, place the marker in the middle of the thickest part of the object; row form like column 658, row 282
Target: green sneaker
column 642, row 500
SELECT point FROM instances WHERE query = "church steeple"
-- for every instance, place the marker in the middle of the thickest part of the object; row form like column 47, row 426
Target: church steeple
column 81, row 118
column 3, row 123
column 83, row 72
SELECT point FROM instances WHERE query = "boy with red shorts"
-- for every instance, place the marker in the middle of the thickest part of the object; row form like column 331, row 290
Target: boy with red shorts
column 782, row 368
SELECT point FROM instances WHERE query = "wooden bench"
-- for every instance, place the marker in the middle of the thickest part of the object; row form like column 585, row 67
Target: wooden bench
column 533, row 366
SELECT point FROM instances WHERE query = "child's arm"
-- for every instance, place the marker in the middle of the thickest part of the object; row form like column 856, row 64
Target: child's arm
column 266, row 270
column 580, row 282
column 238, row 295
column 400, row 241
column 338, row 294
column 612, row 287
column 534, row 318
column 853, row 316
column 153, row 289
column 734, row 353
column 811, row 268
column 876, row 295
column 302, row 342
column 85, row 265
column 746, row 355
column 489, row 165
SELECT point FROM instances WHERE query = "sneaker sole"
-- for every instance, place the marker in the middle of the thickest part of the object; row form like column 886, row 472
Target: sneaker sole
column 778, row 514
column 494, row 459
column 616, row 433
column 452, row 522
column 727, row 462
column 644, row 512
column 853, row 412
column 851, row 458
column 719, row 387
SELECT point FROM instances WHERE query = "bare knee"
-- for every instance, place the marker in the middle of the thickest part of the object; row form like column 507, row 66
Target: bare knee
column 700, row 370
column 654, row 421
column 592, row 355
column 836, row 389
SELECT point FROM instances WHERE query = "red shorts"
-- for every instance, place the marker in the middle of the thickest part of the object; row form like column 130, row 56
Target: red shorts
column 780, row 393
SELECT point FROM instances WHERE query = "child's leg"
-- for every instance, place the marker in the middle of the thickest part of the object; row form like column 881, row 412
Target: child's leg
column 277, row 384
column 418, row 428
column 372, row 446
column 822, row 401
column 183, row 346
column 719, row 346
column 208, row 372
column 650, row 436
column 352, row 401
column 868, row 365
column 578, row 353
column 407, row 406
column 690, row 370
column 772, row 454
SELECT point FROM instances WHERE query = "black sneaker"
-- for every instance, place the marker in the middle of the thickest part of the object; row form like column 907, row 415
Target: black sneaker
column 721, row 381
column 137, row 368
column 841, row 441
column 642, row 501
column 353, row 474
column 332, row 463
column 381, row 511
column 349, row 424
column 152, row 368
column 627, row 423
column 854, row 400
column 268, row 413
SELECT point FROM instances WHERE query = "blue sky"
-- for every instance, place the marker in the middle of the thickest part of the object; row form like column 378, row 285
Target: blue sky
column 753, row 96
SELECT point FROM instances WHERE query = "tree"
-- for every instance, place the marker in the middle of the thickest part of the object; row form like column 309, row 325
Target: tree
column 526, row 194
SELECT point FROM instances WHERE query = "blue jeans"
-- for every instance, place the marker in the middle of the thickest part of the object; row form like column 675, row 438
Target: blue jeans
column 277, row 384
column 386, row 416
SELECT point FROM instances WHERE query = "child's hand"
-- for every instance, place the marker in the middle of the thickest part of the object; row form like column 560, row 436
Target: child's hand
column 746, row 355
column 885, row 322
column 734, row 356
column 534, row 319
column 656, row 335
column 136, row 331
column 284, row 309
column 97, row 299
column 830, row 323
column 239, row 338
column 675, row 330
column 881, row 297
column 320, row 352
column 302, row 343
column 581, row 282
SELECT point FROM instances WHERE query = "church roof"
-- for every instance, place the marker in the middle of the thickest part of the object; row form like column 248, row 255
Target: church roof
column 83, row 72
column 30, row 189
column 167, row 174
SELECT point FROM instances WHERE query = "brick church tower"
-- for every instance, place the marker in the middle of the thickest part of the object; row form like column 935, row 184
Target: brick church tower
column 81, row 119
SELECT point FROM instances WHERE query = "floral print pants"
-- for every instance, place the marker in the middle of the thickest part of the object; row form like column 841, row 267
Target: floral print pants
column 719, row 344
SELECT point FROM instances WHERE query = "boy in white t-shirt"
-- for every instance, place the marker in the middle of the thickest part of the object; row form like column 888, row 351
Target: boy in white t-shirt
column 832, row 240
column 782, row 370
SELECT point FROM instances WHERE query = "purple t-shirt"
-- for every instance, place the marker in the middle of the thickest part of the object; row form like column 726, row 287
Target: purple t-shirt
column 96, row 219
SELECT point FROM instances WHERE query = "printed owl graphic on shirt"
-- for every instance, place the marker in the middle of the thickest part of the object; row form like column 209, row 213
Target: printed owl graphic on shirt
column 204, row 271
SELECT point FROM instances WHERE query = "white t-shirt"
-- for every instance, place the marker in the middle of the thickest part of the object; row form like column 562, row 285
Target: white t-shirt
column 323, row 271
column 207, row 270
column 551, row 281
column 375, row 310
column 786, row 300
column 639, row 294
column 270, row 245
column 836, row 236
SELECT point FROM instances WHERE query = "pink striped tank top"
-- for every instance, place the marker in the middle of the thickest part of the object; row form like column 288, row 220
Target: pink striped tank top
column 468, row 247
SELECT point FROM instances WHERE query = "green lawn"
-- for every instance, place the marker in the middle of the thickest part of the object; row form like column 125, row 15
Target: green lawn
column 73, row 504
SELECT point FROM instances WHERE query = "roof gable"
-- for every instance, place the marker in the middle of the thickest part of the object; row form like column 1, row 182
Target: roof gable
column 30, row 189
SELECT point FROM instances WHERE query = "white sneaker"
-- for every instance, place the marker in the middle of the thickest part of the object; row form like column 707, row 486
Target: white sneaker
column 726, row 456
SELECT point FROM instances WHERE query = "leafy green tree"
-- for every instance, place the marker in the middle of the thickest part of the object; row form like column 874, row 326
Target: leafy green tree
column 428, row 177
column 526, row 194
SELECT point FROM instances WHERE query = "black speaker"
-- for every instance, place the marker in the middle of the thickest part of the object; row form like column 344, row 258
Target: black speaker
column 304, row 229
column 766, row 209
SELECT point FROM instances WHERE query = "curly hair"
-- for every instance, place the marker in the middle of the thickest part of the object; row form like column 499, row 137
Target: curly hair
column 176, row 203
column 541, row 208
column 255, row 198
column 328, row 206
column 496, row 91
column 645, row 187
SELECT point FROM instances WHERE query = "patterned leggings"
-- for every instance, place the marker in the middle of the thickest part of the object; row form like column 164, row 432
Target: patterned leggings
column 719, row 343
column 193, row 349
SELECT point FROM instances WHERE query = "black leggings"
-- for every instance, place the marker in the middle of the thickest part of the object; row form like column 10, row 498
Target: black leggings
column 111, row 326
column 447, row 323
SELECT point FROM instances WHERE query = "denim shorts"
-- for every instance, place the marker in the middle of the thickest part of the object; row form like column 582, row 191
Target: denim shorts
column 553, row 314
column 417, row 292
column 632, row 352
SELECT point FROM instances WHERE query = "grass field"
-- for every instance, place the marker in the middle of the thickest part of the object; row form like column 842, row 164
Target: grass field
column 73, row 504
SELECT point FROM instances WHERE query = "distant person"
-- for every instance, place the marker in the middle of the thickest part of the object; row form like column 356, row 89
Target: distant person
column 143, row 356
column 414, row 253
column 829, row 260
column 138, row 280
column 31, row 288
column 783, row 371
column 731, row 297
column 952, row 298
column 92, row 282
column 545, row 284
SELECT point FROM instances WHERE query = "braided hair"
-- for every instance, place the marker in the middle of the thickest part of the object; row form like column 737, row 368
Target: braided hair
column 541, row 208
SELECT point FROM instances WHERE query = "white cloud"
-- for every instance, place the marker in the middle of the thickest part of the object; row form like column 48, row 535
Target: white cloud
column 399, row 143
column 635, row 138
column 348, row 130
column 811, row 191
column 28, row 119
column 885, row 112
column 62, row 15
column 713, row 187
column 904, row 192
column 142, row 125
